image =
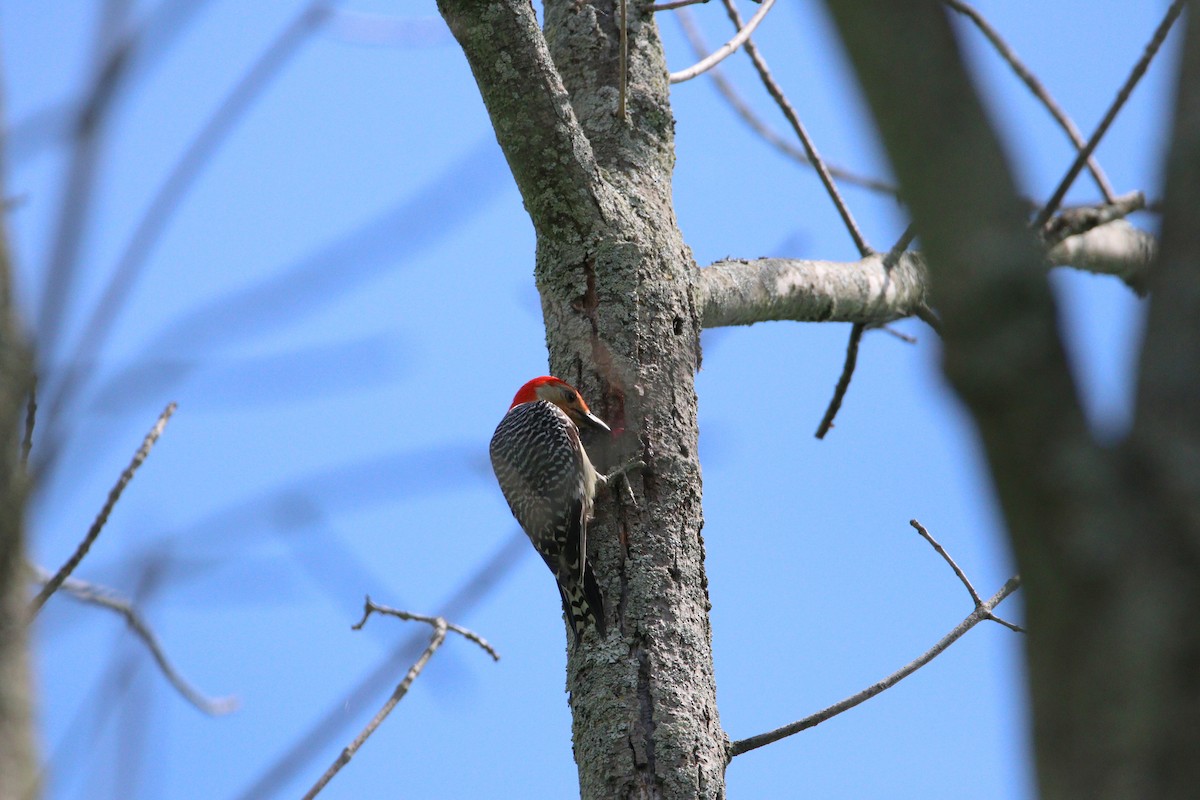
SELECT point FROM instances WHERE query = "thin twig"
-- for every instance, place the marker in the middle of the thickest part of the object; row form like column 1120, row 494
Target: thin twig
column 114, row 495
column 809, row 148
column 839, row 391
column 1035, row 86
column 1135, row 75
column 856, row 332
column 309, row 744
column 927, row 536
column 973, row 619
column 743, row 110
column 941, row 551
column 672, row 5
column 370, row 606
column 724, row 51
column 440, row 627
column 889, row 330
column 106, row 598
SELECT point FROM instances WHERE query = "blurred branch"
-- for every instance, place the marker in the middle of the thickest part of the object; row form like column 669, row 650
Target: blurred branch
column 1135, row 75
column 164, row 24
column 1035, row 86
column 725, row 50
column 981, row 612
column 114, row 494
column 440, row 627
column 743, row 110
column 111, row 58
column 810, row 149
column 167, row 200
column 468, row 596
column 104, row 597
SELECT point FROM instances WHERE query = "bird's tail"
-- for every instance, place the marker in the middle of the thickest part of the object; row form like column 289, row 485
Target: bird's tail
column 584, row 605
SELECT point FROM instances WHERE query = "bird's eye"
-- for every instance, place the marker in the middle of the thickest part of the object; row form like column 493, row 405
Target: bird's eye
column 570, row 396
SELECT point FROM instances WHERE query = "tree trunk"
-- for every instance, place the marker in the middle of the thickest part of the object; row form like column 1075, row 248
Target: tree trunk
column 1107, row 538
column 18, row 762
column 618, row 295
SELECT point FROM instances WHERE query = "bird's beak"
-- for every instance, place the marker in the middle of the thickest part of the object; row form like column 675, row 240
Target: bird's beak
column 594, row 421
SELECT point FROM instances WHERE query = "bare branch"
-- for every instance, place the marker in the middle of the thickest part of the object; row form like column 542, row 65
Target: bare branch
column 1135, row 75
column 1074, row 221
column 941, row 551
column 843, row 384
column 310, row 743
column 727, row 49
column 370, row 606
column 440, row 626
column 743, row 292
column 743, row 110
column 974, row 618
column 961, row 576
column 1115, row 248
column 104, row 597
column 810, row 149
column 1035, row 86
column 114, row 495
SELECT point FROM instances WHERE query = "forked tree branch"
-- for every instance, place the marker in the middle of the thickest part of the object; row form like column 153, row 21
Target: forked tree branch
column 974, row 618
column 962, row 576
column 440, row 628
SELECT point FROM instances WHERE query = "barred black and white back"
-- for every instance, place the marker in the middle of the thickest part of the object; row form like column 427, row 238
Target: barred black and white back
column 550, row 484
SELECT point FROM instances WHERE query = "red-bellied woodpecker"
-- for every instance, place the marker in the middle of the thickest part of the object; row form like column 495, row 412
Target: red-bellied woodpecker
column 550, row 484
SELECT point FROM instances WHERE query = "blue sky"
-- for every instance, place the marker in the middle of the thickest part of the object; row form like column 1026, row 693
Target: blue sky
column 342, row 305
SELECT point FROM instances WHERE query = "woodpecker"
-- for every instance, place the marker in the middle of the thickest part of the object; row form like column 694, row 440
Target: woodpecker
column 550, row 484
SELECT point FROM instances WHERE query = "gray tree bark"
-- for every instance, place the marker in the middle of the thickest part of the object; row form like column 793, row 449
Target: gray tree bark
column 618, row 295
column 1107, row 538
